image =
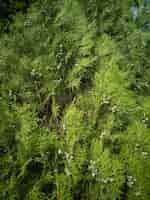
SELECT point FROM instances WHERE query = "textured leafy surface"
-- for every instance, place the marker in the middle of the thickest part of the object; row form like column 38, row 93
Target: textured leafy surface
column 75, row 102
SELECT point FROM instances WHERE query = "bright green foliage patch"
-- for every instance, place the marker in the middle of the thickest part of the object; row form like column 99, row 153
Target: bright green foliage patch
column 75, row 102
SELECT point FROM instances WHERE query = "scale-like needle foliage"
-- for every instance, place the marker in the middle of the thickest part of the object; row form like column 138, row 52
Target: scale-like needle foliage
column 75, row 101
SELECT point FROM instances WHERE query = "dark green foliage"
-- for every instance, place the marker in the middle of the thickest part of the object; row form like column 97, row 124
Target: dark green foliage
column 74, row 102
column 8, row 8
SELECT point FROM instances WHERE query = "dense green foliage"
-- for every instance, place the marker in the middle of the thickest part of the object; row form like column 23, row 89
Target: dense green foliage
column 75, row 102
column 8, row 8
